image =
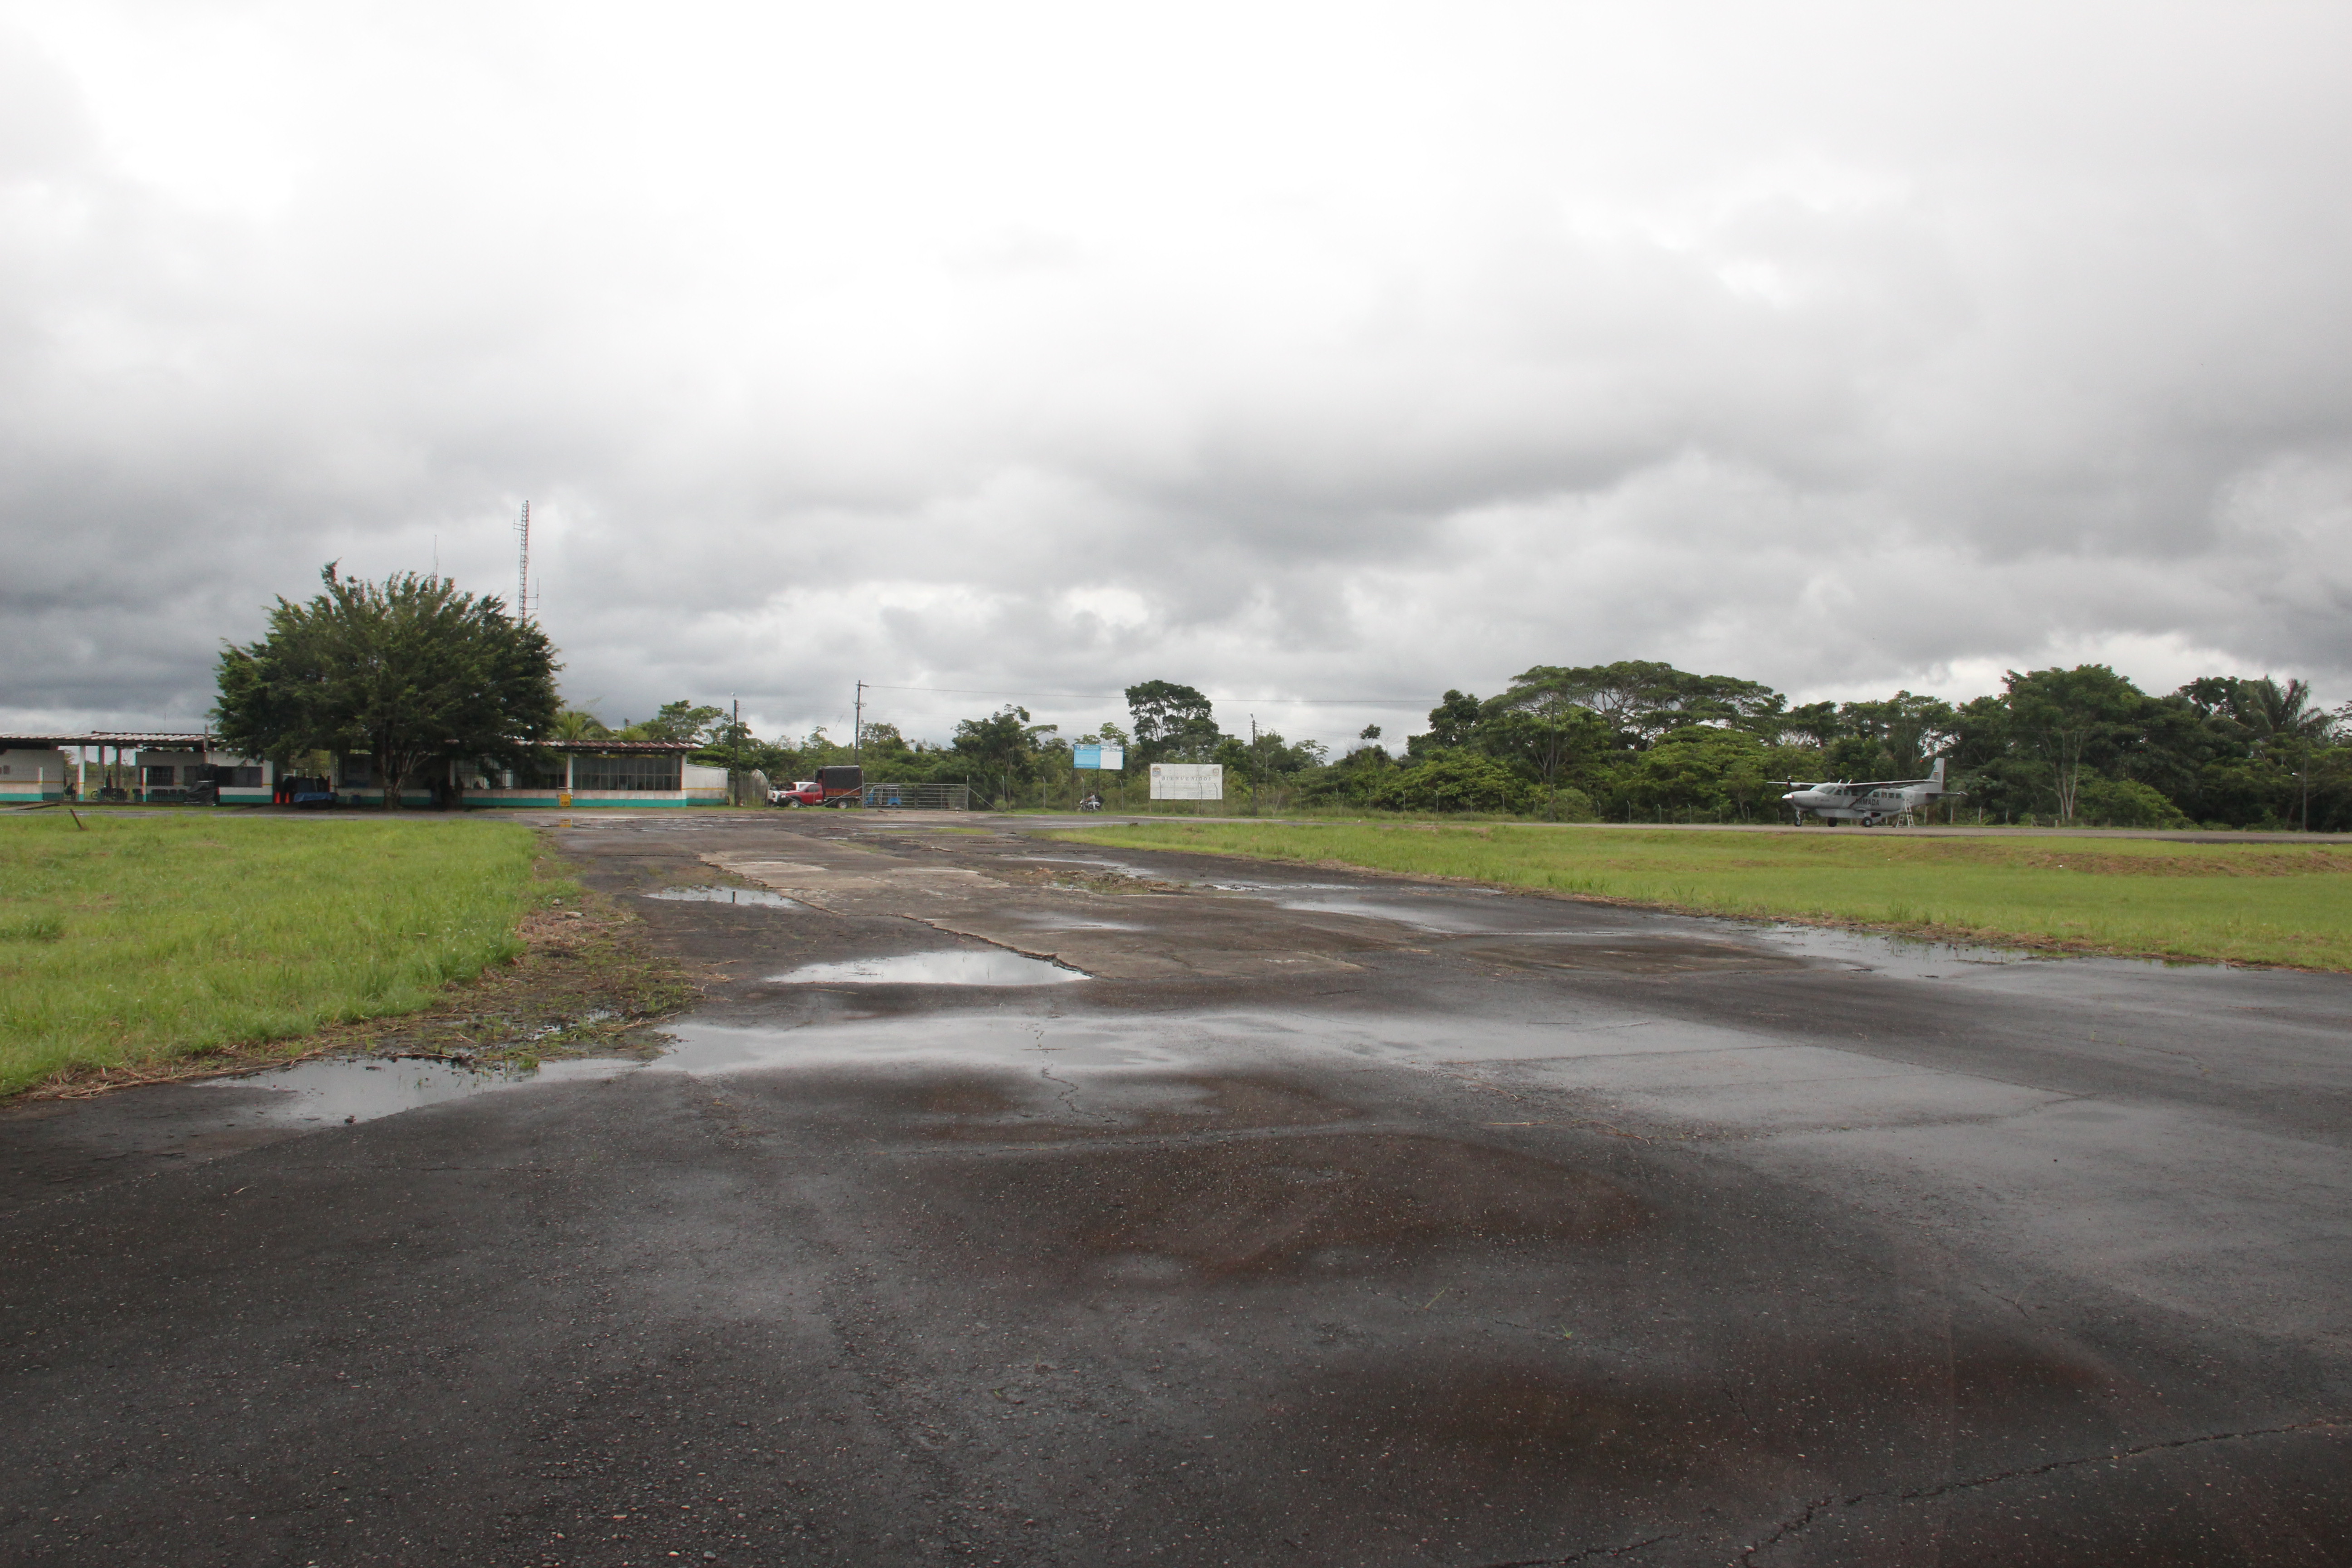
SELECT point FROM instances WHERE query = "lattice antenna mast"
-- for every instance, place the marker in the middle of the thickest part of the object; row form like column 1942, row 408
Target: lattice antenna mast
column 523, row 567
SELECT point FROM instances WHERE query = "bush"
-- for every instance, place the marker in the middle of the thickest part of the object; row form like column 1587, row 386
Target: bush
column 1457, row 781
column 2126, row 803
column 1572, row 805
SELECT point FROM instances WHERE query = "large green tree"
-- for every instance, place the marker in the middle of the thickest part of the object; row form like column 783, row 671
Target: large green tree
column 1544, row 722
column 1006, row 749
column 1172, row 723
column 401, row 671
column 1645, row 699
column 2084, row 720
column 1893, row 739
column 683, row 719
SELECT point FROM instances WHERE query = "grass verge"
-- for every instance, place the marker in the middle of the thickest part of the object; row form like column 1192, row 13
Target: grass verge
column 147, row 948
column 2256, row 904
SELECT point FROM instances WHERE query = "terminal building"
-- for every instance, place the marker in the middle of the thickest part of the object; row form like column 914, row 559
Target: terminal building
column 125, row 765
column 159, row 767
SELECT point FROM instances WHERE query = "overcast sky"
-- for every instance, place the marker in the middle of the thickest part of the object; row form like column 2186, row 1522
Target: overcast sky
column 1334, row 352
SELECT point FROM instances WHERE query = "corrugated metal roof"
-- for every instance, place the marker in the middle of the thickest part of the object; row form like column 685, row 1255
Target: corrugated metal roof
column 184, row 739
column 189, row 740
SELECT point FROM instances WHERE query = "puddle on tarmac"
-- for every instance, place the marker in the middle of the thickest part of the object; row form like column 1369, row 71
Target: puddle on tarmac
column 1167, row 874
column 759, row 896
column 1649, row 954
column 1203, row 1042
column 1120, row 868
column 352, row 1089
column 956, row 966
column 1076, row 922
column 1889, row 954
column 1914, row 960
column 990, row 1039
column 1420, row 918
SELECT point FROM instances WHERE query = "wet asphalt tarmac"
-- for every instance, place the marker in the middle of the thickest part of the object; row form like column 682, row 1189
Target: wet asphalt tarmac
column 1339, row 1219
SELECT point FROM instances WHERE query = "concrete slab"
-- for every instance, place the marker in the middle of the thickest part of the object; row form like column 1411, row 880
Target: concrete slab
column 1368, row 1224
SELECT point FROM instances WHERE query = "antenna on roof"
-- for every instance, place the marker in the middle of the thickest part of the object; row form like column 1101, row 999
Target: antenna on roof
column 523, row 568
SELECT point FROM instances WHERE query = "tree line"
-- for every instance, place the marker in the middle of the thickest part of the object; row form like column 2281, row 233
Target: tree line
column 411, row 669
column 1640, row 740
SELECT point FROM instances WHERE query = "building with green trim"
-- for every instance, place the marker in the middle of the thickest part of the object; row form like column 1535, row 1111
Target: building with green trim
column 157, row 767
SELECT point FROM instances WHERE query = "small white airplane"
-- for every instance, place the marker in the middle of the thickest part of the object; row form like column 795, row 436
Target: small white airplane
column 1869, row 802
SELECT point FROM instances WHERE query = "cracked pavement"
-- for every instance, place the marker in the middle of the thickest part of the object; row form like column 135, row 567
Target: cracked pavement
column 1336, row 1219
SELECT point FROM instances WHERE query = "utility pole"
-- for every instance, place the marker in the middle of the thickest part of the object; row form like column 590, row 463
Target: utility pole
column 1254, row 765
column 735, row 773
column 857, row 728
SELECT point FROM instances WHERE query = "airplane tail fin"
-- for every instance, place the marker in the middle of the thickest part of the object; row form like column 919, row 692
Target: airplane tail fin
column 1936, row 777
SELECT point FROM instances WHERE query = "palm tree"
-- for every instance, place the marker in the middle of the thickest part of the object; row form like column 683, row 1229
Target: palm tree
column 2267, row 711
column 2281, row 723
column 575, row 724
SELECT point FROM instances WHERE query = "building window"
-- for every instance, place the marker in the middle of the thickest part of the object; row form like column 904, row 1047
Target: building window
column 238, row 778
column 600, row 772
column 160, row 775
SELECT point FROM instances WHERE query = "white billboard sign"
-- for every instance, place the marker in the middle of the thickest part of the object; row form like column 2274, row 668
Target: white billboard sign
column 1108, row 759
column 1188, row 780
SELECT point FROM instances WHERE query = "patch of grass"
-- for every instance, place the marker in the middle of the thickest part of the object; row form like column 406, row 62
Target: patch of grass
column 2255, row 903
column 48, row 927
column 146, row 939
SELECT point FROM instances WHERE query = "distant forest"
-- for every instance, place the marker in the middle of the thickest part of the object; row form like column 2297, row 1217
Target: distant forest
column 1644, row 742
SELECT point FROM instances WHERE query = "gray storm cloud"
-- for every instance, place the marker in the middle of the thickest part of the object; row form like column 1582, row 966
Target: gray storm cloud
column 1332, row 352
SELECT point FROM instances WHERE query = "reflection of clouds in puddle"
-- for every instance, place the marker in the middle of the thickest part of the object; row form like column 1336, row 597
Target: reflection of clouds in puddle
column 1113, row 868
column 760, row 897
column 345, row 1088
column 1419, row 918
column 991, row 966
column 1168, row 874
column 1913, row 959
column 1077, row 923
column 970, row 1039
column 1253, row 1042
column 1891, row 954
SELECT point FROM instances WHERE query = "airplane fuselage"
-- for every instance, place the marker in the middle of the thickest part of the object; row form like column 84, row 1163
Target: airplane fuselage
column 1871, row 803
column 1845, row 803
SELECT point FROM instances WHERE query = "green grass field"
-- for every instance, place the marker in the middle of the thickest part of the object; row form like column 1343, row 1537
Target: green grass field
column 2255, row 903
column 146, row 938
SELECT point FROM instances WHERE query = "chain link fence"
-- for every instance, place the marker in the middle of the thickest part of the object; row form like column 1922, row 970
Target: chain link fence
column 917, row 797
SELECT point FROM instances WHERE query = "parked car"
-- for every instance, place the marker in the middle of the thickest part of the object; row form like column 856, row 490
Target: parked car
column 831, row 786
column 294, row 790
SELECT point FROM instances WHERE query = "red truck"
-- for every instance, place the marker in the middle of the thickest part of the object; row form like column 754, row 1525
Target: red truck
column 831, row 786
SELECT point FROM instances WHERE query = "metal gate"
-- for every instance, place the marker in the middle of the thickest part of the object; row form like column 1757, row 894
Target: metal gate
column 917, row 797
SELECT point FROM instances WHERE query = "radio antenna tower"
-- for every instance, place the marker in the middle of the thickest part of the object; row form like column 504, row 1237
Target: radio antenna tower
column 523, row 568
